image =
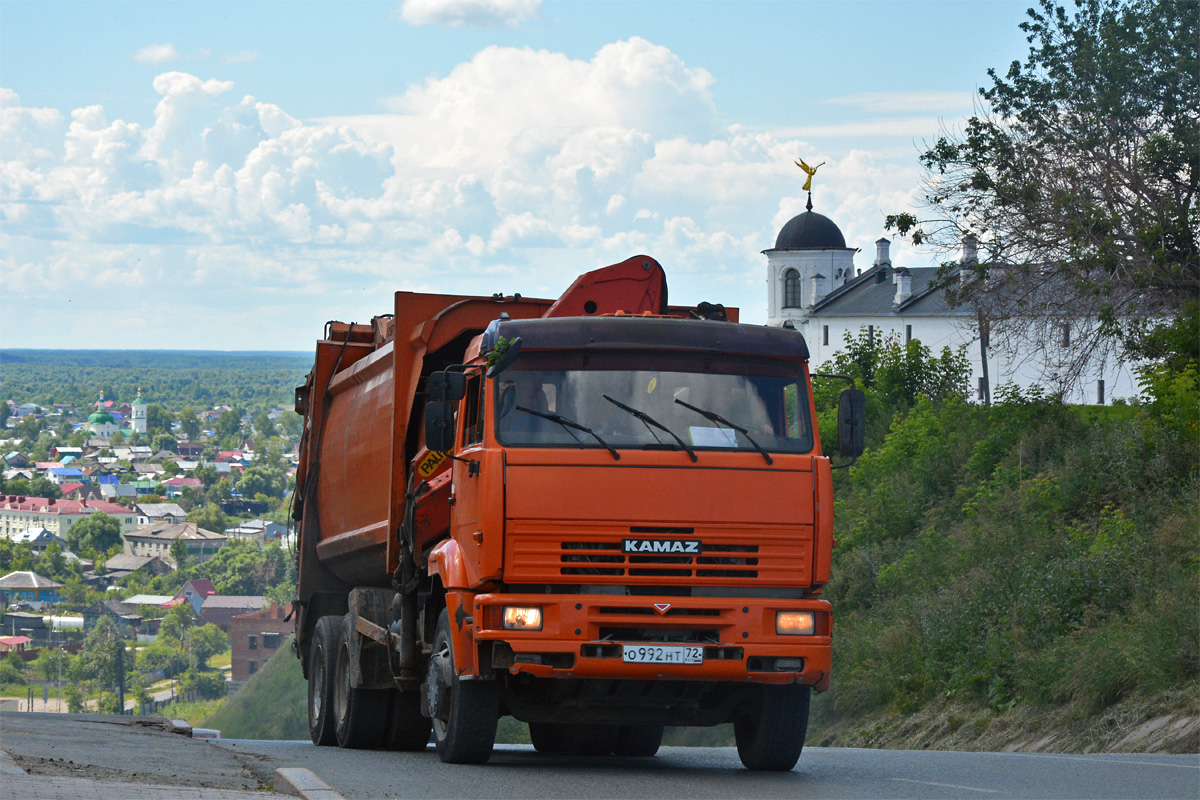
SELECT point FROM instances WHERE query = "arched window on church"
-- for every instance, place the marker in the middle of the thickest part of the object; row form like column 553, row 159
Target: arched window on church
column 791, row 289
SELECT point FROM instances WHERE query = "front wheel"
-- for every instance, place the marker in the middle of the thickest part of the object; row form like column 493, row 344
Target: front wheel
column 464, row 713
column 772, row 740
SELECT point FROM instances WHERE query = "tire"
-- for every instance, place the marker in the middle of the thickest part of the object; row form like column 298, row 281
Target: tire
column 772, row 741
column 407, row 729
column 548, row 738
column 464, row 713
column 360, row 715
column 321, row 664
column 639, row 741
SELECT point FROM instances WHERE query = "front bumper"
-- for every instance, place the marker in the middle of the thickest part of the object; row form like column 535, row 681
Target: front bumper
column 581, row 637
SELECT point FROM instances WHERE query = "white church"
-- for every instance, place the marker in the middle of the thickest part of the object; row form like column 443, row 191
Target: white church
column 814, row 285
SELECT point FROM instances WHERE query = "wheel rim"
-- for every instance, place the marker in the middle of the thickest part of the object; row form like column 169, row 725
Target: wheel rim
column 341, row 692
column 314, row 685
column 440, row 663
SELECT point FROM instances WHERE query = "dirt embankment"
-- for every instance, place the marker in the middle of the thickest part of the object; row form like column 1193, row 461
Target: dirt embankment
column 1168, row 724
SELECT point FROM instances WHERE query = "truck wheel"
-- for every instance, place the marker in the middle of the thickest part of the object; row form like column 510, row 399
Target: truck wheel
column 407, row 729
column 641, row 741
column 773, row 740
column 360, row 715
column 464, row 713
column 321, row 660
column 548, row 738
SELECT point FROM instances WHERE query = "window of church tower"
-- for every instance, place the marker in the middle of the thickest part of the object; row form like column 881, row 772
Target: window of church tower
column 791, row 289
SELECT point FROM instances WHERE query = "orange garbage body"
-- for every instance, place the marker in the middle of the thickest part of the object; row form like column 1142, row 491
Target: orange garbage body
column 673, row 548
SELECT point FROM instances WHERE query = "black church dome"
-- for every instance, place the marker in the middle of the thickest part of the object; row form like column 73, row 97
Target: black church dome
column 810, row 231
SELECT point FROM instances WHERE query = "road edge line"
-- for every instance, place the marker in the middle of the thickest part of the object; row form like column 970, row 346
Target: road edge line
column 304, row 783
column 8, row 766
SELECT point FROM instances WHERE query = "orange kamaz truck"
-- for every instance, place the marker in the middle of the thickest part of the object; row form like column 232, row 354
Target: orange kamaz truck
column 601, row 514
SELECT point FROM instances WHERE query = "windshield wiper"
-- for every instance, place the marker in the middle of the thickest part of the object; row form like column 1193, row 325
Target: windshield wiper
column 717, row 418
column 648, row 421
column 570, row 423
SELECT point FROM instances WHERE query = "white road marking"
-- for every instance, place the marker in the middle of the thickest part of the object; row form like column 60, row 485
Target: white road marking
column 948, row 786
column 1067, row 757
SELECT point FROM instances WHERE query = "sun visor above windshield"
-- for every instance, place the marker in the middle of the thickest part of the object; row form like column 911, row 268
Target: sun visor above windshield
column 644, row 333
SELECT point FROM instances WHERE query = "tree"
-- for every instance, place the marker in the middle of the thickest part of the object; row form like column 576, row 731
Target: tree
column 206, row 474
column 189, row 423
column 158, row 419
column 102, row 658
column 209, row 517
column 240, row 567
column 74, row 591
column 163, row 441
column 180, row 554
column 1078, row 176
column 264, row 426
column 52, row 664
column 44, row 487
column 97, row 532
column 208, row 641
column 229, row 424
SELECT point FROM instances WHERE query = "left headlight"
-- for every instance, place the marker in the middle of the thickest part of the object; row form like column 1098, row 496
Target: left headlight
column 522, row 618
column 795, row 623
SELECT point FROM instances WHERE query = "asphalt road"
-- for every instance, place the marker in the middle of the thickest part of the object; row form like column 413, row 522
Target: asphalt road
column 679, row 773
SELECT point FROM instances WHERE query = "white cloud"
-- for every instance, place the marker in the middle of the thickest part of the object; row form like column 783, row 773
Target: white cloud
column 469, row 13
column 244, row 57
column 914, row 101
column 164, row 53
column 516, row 171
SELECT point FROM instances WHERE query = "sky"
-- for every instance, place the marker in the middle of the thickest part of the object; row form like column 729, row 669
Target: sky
column 230, row 176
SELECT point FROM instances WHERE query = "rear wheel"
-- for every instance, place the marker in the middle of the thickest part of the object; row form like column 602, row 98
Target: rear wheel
column 464, row 713
column 321, row 664
column 641, row 741
column 407, row 728
column 773, row 739
column 360, row 715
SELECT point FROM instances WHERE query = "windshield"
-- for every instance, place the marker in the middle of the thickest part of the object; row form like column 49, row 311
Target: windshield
column 567, row 399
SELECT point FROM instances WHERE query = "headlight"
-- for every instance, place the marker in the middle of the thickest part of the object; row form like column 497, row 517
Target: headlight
column 518, row 618
column 795, row 623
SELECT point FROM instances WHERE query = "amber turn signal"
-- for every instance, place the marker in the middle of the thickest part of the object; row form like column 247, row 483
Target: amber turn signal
column 518, row 618
column 795, row 623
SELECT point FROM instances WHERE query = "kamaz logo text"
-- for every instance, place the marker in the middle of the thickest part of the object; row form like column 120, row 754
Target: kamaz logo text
column 660, row 546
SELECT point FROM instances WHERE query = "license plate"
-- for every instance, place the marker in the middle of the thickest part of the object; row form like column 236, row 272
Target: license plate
column 661, row 654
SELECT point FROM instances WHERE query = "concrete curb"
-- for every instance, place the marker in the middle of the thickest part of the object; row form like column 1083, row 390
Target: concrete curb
column 304, row 783
column 8, row 766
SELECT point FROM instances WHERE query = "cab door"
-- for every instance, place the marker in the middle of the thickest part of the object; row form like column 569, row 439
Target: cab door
column 467, row 486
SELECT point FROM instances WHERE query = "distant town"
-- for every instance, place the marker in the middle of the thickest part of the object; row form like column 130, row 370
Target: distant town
column 145, row 554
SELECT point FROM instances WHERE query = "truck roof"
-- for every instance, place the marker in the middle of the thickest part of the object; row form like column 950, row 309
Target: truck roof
column 655, row 333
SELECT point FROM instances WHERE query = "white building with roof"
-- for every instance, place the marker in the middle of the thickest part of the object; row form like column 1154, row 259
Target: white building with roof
column 814, row 285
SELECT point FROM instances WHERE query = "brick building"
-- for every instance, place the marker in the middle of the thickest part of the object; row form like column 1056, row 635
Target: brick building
column 255, row 637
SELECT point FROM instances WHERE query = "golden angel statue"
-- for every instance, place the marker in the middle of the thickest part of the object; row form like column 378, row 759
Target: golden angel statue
column 811, row 171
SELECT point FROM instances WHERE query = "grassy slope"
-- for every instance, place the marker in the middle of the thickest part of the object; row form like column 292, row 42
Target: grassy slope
column 278, row 687
column 1026, row 567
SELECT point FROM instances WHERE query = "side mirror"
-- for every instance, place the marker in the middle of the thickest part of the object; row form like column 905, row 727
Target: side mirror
column 445, row 385
column 851, row 422
column 439, row 426
column 506, row 358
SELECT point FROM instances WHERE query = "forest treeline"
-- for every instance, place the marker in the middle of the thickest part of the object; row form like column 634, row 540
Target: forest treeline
column 174, row 379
